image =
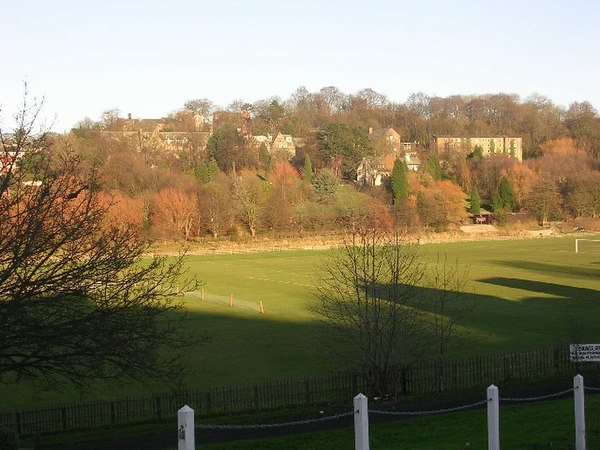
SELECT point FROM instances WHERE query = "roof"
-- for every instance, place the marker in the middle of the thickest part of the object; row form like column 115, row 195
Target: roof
column 475, row 136
column 381, row 132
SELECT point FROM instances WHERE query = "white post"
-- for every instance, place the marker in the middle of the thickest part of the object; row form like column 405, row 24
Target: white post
column 361, row 423
column 576, row 245
column 493, row 416
column 185, row 429
column 578, row 393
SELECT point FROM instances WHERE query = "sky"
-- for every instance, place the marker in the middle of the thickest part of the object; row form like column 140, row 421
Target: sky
column 149, row 57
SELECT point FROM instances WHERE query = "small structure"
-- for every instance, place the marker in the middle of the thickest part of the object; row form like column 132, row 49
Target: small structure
column 185, row 429
column 482, row 219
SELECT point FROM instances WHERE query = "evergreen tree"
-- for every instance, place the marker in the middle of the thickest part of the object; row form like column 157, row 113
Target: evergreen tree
column 399, row 181
column 307, row 169
column 326, row 184
column 205, row 173
column 475, row 202
column 265, row 157
column 504, row 198
column 433, row 167
column 477, row 152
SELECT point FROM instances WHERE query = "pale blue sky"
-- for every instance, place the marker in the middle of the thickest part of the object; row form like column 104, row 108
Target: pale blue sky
column 149, row 57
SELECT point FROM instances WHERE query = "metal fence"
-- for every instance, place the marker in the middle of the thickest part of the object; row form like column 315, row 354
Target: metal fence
column 421, row 379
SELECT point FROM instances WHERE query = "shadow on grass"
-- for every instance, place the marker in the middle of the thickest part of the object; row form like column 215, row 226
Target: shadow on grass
column 548, row 269
column 561, row 290
column 554, row 314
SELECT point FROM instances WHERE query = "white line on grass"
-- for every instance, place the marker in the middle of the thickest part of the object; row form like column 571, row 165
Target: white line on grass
column 279, row 281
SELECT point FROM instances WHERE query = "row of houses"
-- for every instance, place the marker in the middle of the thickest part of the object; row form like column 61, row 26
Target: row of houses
column 386, row 142
column 193, row 132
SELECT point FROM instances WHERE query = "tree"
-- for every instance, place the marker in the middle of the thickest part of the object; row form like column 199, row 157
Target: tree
column 364, row 294
column 521, row 179
column 175, row 211
column 475, row 202
column 399, row 181
column 544, row 201
column 441, row 204
column 201, row 106
column 75, row 302
column 265, row 157
column 248, row 197
column 357, row 212
column 433, row 167
column 386, row 308
column 271, row 111
column 504, row 198
column 123, row 210
column 584, row 124
column 308, row 173
column 214, row 200
column 109, row 118
column 326, row 184
column 206, row 172
column 477, row 152
column 343, row 148
column 335, row 99
column 285, row 192
column 372, row 99
column 230, row 150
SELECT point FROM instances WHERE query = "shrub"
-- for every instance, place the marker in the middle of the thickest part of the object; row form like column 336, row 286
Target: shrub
column 9, row 439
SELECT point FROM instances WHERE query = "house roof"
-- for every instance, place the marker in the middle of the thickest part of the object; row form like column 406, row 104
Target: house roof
column 381, row 132
column 475, row 136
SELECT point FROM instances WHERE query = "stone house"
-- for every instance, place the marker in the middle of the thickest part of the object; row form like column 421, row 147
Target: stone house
column 283, row 145
column 388, row 146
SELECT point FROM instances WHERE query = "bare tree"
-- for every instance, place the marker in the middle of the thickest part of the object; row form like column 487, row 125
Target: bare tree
column 366, row 292
column 202, row 106
column 77, row 300
column 388, row 308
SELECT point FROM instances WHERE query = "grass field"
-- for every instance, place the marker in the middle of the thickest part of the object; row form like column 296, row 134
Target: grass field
column 526, row 294
column 536, row 426
column 547, row 425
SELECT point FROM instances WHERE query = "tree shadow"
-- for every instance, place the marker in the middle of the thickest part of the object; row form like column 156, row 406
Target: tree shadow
column 560, row 290
column 557, row 315
column 548, row 268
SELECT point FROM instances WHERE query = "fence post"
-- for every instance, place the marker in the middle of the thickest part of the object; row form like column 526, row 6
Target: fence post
column 493, row 416
column 361, row 423
column 185, row 429
column 578, row 393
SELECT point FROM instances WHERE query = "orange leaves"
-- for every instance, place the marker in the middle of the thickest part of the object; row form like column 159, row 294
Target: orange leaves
column 440, row 204
column 122, row 210
column 175, row 211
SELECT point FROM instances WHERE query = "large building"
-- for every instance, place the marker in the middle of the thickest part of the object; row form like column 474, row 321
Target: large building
column 508, row 145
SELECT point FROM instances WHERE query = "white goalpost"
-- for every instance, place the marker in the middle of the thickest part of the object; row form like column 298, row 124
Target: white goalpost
column 583, row 239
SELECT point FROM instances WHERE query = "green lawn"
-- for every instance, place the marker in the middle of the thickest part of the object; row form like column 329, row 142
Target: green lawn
column 526, row 294
column 535, row 426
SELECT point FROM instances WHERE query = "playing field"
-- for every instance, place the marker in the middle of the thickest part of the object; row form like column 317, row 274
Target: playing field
column 525, row 294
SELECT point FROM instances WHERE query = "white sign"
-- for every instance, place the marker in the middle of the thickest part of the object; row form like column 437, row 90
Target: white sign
column 585, row 352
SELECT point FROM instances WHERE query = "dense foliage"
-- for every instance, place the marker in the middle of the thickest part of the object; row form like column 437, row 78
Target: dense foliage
column 224, row 186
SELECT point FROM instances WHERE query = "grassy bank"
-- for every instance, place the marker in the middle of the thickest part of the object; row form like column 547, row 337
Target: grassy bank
column 526, row 294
